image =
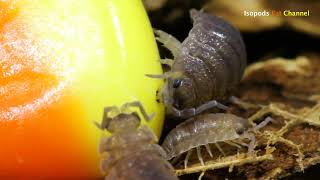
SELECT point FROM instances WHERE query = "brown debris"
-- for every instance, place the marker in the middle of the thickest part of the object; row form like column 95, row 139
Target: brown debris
column 152, row 5
column 294, row 76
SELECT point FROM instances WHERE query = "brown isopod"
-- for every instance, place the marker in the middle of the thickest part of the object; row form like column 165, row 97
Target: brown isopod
column 206, row 129
column 207, row 64
column 131, row 152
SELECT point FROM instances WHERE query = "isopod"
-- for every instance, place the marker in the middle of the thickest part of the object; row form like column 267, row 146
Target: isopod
column 131, row 152
column 202, row 130
column 206, row 65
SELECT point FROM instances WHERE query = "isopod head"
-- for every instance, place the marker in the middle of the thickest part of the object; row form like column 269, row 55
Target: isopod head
column 123, row 122
column 183, row 91
column 241, row 125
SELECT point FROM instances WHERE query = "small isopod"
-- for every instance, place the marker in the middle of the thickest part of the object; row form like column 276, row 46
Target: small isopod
column 206, row 129
column 207, row 64
column 131, row 152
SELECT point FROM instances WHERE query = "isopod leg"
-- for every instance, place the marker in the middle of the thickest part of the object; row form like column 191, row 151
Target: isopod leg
column 106, row 119
column 199, row 155
column 166, row 75
column 233, row 144
column 240, row 143
column 263, row 123
column 208, row 149
column 209, row 105
column 219, row 148
column 141, row 108
column 185, row 113
column 167, row 62
column 242, row 104
column 169, row 42
column 187, row 158
column 252, row 143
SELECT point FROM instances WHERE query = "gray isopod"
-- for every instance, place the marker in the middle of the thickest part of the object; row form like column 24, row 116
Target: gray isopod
column 131, row 152
column 207, row 64
column 206, row 129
